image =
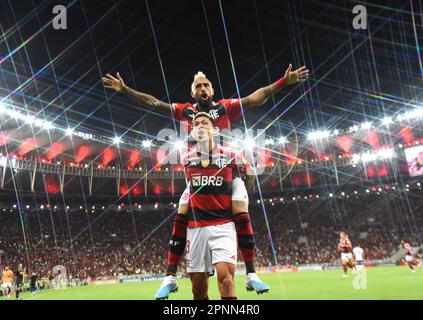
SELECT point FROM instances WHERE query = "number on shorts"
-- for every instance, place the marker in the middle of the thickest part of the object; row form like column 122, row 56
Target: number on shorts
column 188, row 246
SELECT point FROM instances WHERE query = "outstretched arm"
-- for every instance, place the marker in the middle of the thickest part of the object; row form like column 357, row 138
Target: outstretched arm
column 260, row 97
column 250, row 179
column 143, row 99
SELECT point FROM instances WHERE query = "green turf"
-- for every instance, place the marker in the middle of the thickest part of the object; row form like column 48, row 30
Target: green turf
column 382, row 283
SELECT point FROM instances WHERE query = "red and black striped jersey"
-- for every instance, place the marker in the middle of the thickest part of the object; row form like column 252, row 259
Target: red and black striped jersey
column 210, row 200
column 223, row 112
column 345, row 245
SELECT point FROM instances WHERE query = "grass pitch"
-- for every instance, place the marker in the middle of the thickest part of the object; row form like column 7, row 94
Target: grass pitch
column 388, row 283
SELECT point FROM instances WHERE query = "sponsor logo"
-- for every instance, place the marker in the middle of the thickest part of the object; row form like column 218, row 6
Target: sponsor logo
column 202, row 181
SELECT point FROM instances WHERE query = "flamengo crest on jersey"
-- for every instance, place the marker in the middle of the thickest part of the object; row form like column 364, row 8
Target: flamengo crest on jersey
column 198, row 180
column 223, row 112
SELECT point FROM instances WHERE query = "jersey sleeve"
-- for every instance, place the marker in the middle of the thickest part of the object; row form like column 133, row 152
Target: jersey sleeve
column 233, row 108
column 178, row 110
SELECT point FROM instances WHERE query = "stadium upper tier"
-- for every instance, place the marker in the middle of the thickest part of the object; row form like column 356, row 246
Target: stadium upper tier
column 386, row 166
column 39, row 155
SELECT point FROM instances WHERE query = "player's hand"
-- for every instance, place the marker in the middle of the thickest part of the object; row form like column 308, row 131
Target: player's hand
column 296, row 76
column 116, row 84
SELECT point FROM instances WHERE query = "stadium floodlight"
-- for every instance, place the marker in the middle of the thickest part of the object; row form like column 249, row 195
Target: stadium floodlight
column 15, row 114
column 235, row 144
column 117, row 140
column 366, row 125
column 356, row 158
column 147, row 144
column 312, row 136
column 41, row 207
column 30, row 120
column 354, row 128
column 368, row 157
column 47, row 125
column 269, row 142
column 283, row 140
column 318, row 135
column 414, row 114
column 336, row 132
column 400, row 118
column 70, row 132
column 249, row 143
column 38, row 123
column 387, row 121
column 179, row 145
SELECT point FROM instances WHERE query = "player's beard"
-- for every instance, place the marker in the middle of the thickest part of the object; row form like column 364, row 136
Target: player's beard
column 205, row 105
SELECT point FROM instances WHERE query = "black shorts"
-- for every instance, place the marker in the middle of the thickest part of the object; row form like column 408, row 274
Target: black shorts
column 18, row 285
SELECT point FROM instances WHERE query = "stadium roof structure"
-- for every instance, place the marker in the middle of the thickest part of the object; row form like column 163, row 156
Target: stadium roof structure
column 349, row 123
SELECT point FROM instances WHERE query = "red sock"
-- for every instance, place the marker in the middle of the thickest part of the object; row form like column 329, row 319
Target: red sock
column 246, row 243
column 177, row 243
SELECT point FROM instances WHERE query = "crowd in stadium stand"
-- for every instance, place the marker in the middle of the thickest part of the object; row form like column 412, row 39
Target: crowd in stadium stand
column 125, row 242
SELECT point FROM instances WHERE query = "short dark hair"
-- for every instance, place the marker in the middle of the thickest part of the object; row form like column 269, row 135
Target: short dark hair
column 203, row 114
